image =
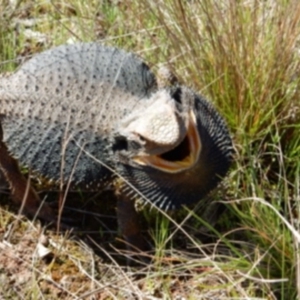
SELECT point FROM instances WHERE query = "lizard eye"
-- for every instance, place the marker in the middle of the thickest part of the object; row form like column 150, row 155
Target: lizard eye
column 177, row 95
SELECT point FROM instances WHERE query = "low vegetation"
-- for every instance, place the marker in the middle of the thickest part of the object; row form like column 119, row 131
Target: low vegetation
column 242, row 55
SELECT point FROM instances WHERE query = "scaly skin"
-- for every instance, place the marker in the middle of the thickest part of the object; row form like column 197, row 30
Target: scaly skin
column 90, row 115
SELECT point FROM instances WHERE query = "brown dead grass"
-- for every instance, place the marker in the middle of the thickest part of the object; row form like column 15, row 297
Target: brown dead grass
column 71, row 270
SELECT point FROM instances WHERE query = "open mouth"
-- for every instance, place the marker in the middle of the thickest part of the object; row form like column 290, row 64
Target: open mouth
column 182, row 157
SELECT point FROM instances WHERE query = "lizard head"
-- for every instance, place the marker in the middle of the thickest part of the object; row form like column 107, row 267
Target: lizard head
column 163, row 135
column 169, row 171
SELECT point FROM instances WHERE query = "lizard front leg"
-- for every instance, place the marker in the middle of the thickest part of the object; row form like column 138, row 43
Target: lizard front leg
column 130, row 227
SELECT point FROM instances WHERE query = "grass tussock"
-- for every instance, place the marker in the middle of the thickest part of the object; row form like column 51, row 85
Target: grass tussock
column 244, row 56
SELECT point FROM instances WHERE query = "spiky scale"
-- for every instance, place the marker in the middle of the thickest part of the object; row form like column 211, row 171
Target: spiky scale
column 67, row 98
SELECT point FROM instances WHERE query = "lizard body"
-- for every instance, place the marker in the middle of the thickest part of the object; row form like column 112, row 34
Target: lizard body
column 86, row 114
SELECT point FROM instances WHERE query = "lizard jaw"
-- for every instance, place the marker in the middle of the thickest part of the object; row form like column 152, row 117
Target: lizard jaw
column 182, row 157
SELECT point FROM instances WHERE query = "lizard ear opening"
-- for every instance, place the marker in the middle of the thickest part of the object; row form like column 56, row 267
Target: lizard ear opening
column 120, row 143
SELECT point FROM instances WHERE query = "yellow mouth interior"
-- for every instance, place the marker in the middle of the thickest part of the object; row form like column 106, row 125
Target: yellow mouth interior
column 182, row 157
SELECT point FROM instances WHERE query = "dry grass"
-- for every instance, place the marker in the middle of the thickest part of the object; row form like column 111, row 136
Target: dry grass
column 244, row 55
